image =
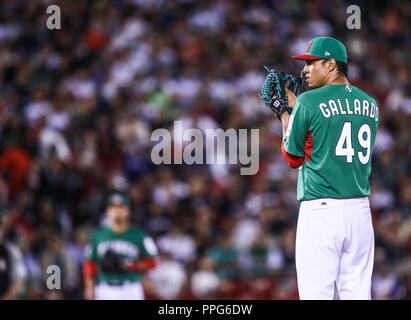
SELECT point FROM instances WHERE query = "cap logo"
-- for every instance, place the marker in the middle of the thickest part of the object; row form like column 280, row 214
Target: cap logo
column 327, row 53
column 117, row 199
column 309, row 46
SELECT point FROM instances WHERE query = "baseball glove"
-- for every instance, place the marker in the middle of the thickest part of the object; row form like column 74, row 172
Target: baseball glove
column 273, row 92
column 112, row 263
column 295, row 84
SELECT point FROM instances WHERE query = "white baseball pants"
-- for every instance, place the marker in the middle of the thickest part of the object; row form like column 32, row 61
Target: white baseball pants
column 126, row 291
column 335, row 249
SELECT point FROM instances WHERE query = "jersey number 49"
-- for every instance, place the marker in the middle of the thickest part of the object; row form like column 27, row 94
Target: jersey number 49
column 347, row 150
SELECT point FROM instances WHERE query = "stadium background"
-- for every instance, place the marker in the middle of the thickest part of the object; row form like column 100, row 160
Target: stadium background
column 78, row 105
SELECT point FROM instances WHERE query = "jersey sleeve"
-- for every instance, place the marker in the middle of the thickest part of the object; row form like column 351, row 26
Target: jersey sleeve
column 90, row 252
column 293, row 161
column 148, row 247
column 296, row 135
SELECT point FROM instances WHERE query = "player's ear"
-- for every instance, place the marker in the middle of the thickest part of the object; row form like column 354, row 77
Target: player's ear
column 332, row 64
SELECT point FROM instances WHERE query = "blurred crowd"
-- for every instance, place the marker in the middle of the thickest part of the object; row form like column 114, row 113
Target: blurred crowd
column 78, row 106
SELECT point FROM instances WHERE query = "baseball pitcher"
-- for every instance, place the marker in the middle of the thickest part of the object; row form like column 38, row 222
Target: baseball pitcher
column 117, row 256
column 328, row 133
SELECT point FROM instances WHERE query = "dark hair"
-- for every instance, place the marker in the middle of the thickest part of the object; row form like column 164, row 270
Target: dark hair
column 342, row 67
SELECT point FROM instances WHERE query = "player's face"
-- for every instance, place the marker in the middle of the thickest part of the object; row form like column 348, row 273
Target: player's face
column 316, row 72
column 118, row 213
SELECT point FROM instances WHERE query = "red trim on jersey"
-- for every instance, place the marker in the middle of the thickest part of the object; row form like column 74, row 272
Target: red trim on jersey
column 142, row 265
column 308, row 148
column 89, row 269
column 292, row 160
column 295, row 161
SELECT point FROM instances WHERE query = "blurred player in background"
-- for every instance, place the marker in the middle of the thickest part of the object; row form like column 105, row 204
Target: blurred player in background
column 117, row 256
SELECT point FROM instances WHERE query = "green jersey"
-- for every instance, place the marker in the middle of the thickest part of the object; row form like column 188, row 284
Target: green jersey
column 334, row 128
column 130, row 245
